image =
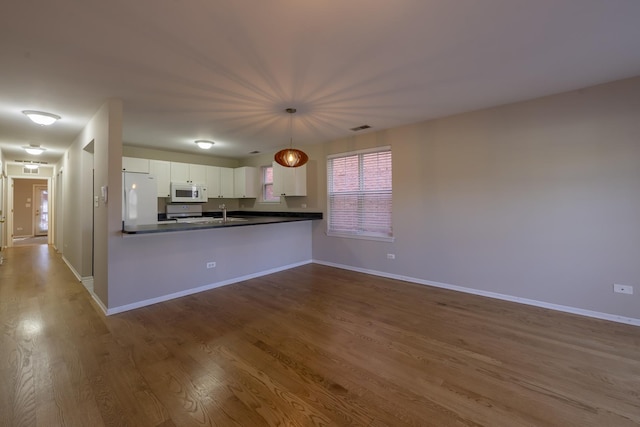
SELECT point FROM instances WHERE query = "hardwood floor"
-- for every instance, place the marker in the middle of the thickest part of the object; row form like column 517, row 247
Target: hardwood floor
column 310, row 346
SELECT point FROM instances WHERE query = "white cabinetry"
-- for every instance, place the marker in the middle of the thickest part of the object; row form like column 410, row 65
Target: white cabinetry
column 219, row 182
column 289, row 181
column 186, row 172
column 133, row 164
column 162, row 170
column 244, row 182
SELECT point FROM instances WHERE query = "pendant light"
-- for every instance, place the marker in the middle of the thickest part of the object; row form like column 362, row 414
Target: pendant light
column 291, row 157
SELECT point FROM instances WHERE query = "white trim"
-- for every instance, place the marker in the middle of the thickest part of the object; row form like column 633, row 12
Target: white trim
column 361, row 236
column 100, row 304
column 511, row 298
column 379, row 149
column 73, row 270
column 192, row 291
column 88, row 283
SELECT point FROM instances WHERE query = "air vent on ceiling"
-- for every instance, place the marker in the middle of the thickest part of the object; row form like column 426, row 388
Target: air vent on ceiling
column 359, row 128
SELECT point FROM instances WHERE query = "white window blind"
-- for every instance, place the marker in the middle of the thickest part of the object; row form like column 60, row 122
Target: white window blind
column 359, row 194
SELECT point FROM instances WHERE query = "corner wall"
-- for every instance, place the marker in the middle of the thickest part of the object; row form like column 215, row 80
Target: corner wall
column 94, row 156
column 536, row 200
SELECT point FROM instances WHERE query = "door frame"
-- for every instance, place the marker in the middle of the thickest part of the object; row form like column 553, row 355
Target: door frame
column 8, row 235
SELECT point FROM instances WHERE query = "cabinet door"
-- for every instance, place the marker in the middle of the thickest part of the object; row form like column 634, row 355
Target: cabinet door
column 179, row 172
column 212, row 181
column 133, row 164
column 245, row 182
column 162, row 170
column 226, row 183
column 198, row 174
column 289, row 181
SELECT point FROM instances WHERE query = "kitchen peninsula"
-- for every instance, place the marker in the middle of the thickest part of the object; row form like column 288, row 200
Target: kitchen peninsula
column 160, row 262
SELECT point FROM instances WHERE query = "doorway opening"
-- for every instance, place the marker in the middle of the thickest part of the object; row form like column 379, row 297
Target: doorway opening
column 30, row 212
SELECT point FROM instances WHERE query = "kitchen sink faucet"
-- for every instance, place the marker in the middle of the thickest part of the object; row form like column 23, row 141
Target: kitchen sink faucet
column 224, row 212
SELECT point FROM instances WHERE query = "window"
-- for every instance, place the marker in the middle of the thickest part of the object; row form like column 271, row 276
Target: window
column 359, row 194
column 267, row 185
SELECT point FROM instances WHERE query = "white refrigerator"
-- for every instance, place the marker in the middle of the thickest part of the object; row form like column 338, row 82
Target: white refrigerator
column 139, row 199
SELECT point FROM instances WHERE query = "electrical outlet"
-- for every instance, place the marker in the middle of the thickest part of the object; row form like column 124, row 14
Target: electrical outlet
column 623, row 289
column 211, row 264
column 391, row 256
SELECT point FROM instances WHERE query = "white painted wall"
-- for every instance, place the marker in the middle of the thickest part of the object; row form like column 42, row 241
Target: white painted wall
column 145, row 267
column 537, row 200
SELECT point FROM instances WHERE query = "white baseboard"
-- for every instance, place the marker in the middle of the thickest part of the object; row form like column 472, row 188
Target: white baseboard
column 163, row 298
column 511, row 298
column 88, row 283
column 100, row 304
column 73, row 270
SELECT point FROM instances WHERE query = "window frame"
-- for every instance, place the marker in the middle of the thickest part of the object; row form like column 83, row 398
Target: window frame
column 355, row 234
column 264, row 184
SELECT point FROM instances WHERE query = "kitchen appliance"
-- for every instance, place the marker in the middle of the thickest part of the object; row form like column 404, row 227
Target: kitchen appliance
column 184, row 192
column 139, row 199
column 189, row 213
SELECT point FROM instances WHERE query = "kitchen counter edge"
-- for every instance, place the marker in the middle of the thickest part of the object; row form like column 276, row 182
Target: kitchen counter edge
column 252, row 218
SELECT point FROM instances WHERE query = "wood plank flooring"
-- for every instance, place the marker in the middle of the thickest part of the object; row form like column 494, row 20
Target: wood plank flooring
column 312, row 346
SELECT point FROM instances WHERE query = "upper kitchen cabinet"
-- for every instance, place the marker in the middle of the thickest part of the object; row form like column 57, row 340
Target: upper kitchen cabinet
column 162, row 170
column 186, row 172
column 289, row 181
column 244, row 182
column 219, row 182
column 133, row 164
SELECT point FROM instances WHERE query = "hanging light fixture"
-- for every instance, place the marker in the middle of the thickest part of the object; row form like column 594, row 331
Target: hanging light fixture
column 291, row 157
column 41, row 118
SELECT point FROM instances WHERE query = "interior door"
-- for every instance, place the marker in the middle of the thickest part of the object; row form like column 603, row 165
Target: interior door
column 41, row 212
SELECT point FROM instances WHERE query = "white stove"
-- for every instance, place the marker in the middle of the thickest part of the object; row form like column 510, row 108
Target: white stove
column 198, row 220
column 187, row 213
column 192, row 214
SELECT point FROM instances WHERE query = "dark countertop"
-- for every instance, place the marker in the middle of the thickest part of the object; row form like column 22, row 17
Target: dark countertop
column 248, row 218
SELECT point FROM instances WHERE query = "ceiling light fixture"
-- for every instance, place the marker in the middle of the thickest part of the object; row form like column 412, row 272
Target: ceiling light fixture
column 291, row 157
column 34, row 149
column 204, row 144
column 41, row 118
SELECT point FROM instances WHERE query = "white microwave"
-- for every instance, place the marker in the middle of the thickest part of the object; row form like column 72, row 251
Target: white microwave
column 183, row 192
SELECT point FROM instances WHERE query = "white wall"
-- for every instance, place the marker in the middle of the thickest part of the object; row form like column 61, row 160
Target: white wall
column 144, row 267
column 537, row 200
column 97, row 153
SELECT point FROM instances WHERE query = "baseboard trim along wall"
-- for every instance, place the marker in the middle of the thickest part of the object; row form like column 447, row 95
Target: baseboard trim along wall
column 88, row 283
column 542, row 304
column 73, row 270
column 163, row 298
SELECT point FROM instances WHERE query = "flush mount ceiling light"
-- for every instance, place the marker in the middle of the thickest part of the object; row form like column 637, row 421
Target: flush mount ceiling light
column 34, row 149
column 291, row 157
column 204, row 144
column 41, row 118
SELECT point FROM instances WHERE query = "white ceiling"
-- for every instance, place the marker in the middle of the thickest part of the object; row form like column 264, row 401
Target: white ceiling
column 226, row 70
